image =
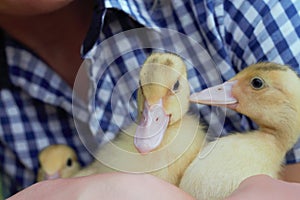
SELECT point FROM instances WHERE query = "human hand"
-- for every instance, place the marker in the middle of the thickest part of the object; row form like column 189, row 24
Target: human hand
column 110, row 186
column 263, row 187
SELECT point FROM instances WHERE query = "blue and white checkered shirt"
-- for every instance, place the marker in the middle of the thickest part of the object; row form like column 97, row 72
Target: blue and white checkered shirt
column 216, row 38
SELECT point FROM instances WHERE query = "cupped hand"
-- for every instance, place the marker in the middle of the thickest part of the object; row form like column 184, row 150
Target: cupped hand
column 110, row 186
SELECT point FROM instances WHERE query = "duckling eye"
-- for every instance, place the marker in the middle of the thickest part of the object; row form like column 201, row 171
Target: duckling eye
column 69, row 162
column 176, row 86
column 257, row 83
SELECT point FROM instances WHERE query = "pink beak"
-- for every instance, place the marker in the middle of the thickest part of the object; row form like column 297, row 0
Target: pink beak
column 152, row 127
column 52, row 176
column 220, row 95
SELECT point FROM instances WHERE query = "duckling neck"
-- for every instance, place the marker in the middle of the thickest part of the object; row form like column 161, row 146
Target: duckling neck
column 169, row 135
column 182, row 132
column 285, row 135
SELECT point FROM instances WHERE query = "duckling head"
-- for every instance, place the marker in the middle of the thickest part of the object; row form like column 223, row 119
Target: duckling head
column 57, row 161
column 163, row 98
column 268, row 93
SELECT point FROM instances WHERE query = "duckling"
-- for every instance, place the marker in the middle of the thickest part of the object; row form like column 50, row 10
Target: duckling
column 267, row 93
column 167, row 139
column 57, row 161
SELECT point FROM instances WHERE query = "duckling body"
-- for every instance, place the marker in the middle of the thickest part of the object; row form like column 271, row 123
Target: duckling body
column 168, row 164
column 220, row 172
column 269, row 94
column 167, row 139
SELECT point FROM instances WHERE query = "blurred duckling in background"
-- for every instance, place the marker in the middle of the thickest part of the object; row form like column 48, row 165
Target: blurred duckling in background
column 269, row 94
column 57, row 161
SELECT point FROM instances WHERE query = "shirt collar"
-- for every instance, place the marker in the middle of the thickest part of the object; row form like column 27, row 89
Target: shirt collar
column 31, row 74
column 141, row 11
column 95, row 27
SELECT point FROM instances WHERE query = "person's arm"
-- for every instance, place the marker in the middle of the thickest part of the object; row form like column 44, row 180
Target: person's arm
column 104, row 186
column 263, row 187
column 291, row 173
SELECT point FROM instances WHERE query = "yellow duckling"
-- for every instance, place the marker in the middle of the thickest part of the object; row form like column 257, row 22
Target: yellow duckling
column 269, row 94
column 167, row 139
column 57, row 161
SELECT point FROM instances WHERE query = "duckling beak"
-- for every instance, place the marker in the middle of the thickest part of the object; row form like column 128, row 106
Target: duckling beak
column 52, row 176
column 152, row 127
column 220, row 95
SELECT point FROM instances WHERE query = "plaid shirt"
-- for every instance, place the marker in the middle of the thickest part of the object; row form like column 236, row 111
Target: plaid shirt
column 38, row 109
